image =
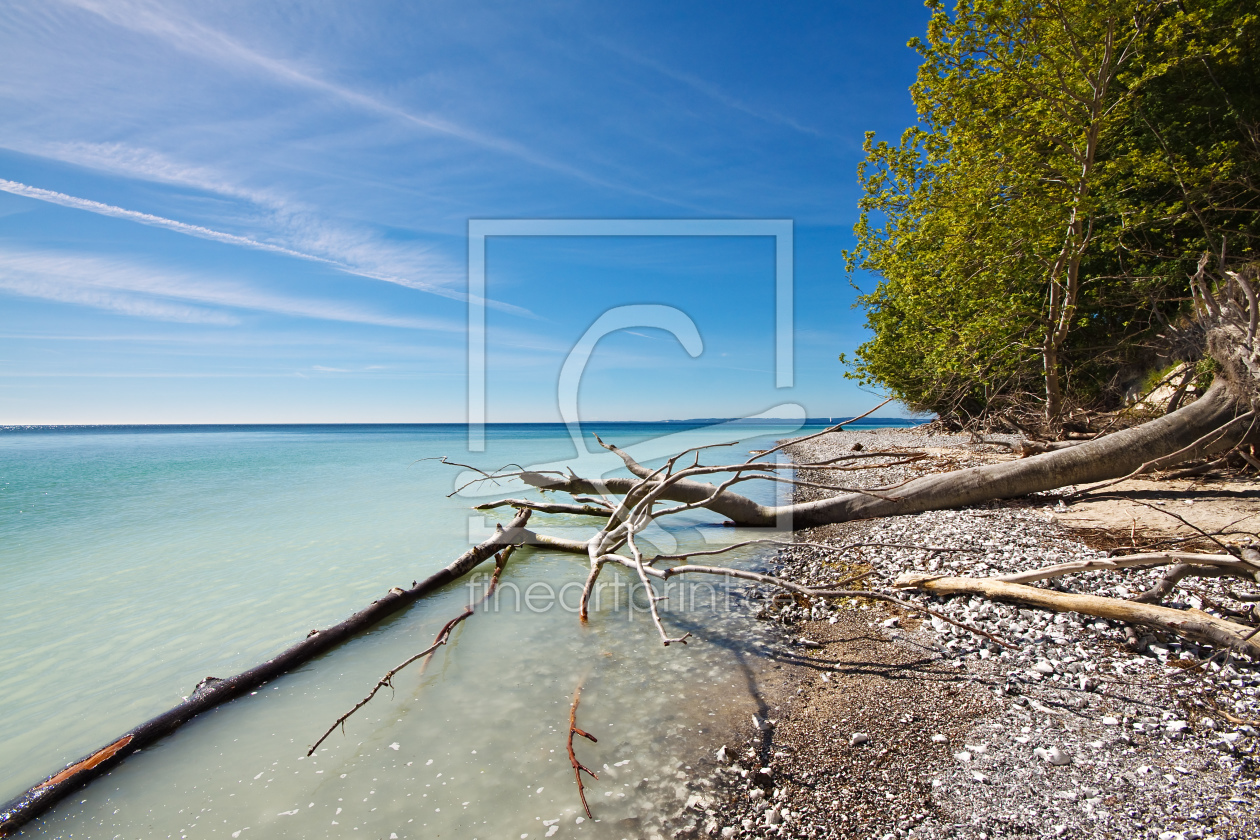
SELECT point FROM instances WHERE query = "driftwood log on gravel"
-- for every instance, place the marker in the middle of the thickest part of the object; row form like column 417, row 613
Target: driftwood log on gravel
column 1227, row 564
column 213, row 691
column 1192, row 624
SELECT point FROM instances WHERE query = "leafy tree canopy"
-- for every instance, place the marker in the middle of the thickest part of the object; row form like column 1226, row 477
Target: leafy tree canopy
column 1035, row 230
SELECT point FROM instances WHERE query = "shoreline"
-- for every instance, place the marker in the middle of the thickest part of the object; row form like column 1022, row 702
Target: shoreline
column 884, row 725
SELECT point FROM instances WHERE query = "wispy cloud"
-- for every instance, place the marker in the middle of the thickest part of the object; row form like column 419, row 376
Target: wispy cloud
column 709, row 89
column 361, row 369
column 194, row 37
column 152, row 165
column 111, row 301
column 189, row 177
column 200, row 232
column 144, row 291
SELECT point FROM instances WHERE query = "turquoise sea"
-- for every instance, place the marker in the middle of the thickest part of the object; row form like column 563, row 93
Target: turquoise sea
column 134, row 561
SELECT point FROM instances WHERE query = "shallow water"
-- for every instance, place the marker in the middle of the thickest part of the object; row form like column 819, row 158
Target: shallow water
column 135, row 562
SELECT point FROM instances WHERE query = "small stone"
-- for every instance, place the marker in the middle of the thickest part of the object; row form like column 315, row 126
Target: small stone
column 1044, row 668
column 1110, row 721
column 1054, row 756
column 938, row 738
column 980, row 777
column 721, row 753
column 963, row 756
column 1207, row 723
column 728, row 831
column 858, row 738
column 756, row 793
column 892, row 622
column 773, row 817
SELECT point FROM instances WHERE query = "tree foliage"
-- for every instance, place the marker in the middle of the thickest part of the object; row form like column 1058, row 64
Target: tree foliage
column 1035, row 231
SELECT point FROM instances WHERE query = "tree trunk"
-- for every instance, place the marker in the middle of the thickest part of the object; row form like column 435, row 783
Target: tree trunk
column 1192, row 624
column 213, row 691
column 1109, row 457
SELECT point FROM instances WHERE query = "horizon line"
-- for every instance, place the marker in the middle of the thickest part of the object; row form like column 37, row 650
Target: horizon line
column 304, row 423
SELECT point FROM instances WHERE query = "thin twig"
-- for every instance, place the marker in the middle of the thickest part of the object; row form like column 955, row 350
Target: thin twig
column 442, row 638
column 578, row 767
column 1183, row 521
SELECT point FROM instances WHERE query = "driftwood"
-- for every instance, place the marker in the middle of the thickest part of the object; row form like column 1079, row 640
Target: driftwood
column 638, row 509
column 1215, row 422
column 213, row 691
column 443, row 636
column 1220, row 420
column 578, row 767
column 1227, row 563
column 1223, row 418
column 1191, row 624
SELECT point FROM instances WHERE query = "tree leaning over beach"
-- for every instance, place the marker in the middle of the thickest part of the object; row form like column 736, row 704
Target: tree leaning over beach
column 1035, row 232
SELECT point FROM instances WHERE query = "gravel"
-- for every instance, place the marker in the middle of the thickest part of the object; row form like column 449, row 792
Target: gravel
column 885, row 725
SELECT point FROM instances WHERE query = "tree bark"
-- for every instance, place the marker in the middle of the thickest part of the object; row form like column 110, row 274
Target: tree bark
column 1192, row 624
column 213, row 691
column 1108, row 457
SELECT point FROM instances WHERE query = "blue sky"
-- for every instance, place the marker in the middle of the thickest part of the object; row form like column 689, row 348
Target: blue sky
column 257, row 211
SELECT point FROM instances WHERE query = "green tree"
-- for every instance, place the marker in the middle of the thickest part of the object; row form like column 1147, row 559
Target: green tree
column 1034, row 225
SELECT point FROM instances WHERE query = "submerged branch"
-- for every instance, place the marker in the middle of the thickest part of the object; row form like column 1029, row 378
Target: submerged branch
column 443, row 636
column 578, row 767
column 213, row 691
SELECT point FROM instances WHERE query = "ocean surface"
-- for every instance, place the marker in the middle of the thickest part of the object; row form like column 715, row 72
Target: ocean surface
column 135, row 561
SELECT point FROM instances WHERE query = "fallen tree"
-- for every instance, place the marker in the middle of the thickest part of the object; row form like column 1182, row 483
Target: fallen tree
column 1224, row 418
column 213, row 691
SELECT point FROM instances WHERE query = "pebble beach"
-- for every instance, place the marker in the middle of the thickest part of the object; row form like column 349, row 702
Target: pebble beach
column 886, row 724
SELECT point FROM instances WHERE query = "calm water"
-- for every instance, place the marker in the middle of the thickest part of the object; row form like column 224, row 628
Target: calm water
column 135, row 562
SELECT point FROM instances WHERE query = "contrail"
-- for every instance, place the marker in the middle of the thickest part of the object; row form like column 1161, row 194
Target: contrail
column 200, row 232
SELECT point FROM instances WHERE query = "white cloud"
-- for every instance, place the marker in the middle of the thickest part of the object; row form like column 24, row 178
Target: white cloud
column 145, row 291
column 202, row 232
column 352, row 253
column 111, row 301
column 192, row 36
